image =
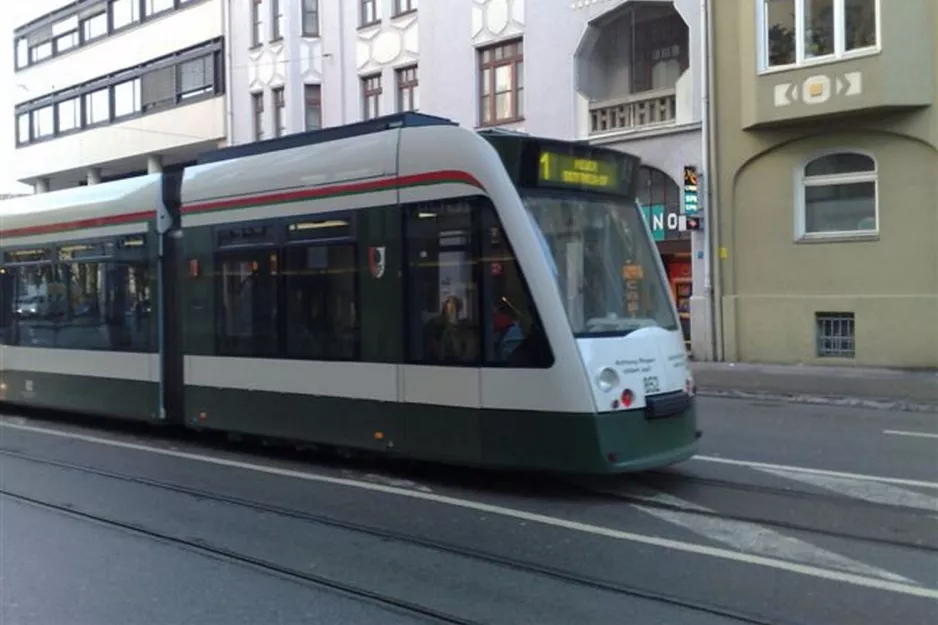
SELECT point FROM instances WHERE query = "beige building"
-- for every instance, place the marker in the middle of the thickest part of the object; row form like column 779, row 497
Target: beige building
column 825, row 148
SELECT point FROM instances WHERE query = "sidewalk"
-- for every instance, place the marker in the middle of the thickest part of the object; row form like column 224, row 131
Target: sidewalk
column 857, row 386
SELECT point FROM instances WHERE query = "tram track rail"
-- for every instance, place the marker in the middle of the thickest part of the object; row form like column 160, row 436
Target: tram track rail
column 201, row 546
column 656, row 477
column 647, row 502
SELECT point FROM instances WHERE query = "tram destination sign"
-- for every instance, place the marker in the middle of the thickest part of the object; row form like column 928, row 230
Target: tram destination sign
column 591, row 170
column 566, row 165
column 578, row 171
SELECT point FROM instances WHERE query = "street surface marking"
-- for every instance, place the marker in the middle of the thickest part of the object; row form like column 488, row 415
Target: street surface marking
column 754, row 538
column 875, row 492
column 595, row 530
column 782, row 467
column 906, row 433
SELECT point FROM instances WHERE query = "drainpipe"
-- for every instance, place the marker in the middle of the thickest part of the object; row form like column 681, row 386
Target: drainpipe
column 342, row 72
column 228, row 75
column 713, row 271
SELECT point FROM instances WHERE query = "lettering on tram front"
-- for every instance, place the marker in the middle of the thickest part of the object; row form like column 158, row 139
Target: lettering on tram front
column 582, row 172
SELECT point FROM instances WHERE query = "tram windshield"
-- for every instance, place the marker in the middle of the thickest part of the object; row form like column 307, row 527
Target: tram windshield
column 604, row 261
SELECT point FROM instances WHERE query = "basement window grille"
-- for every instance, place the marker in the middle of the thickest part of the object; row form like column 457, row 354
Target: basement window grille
column 836, row 334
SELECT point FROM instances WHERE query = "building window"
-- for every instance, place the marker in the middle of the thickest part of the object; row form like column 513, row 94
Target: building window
column 64, row 43
column 799, row 31
column 404, row 6
column 22, row 128
column 40, row 52
column 369, row 12
column 279, row 117
column 22, row 53
column 257, row 107
column 839, row 196
column 69, row 114
column 196, row 77
column 84, row 22
column 371, row 96
column 408, row 89
column 659, row 54
column 255, row 23
column 97, row 107
column 154, row 7
column 127, row 98
column 160, row 84
column 43, row 122
column 313, row 106
column 310, row 18
column 124, row 13
column 836, row 334
column 501, row 83
column 276, row 20
column 94, row 26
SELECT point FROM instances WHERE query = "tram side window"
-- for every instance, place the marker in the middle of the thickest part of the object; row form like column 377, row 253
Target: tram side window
column 130, row 307
column 515, row 336
column 321, row 302
column 87, row 305
column 39, row 304
column 443, row 289
column 247, row 311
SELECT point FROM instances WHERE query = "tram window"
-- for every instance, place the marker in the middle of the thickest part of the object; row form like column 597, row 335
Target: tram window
column 442, row 277
column 247, row 311
column 39, row 304
column 514, row 334
column 7, row 300
column 321, row 302
column 83, row 322
column 130, row 306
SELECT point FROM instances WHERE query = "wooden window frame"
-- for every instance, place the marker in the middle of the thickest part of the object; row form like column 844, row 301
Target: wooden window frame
column 312, row 98
column 256, row 34
column 363, row 13
column 370, row 91
column 279, row 98
column 403, row 7
column 257, row 113
column 306, row 11
column 515, row 59
column 276, row 20
column 408, row 80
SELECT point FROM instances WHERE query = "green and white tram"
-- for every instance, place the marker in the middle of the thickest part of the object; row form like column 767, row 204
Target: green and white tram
column 403, row 286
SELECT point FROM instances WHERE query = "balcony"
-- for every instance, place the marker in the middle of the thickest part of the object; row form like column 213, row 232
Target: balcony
column 642, row 111
column 633, row 66
column 888, row 68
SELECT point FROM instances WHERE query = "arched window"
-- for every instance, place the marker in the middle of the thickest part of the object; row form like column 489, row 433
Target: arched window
column 839, row 196
column 660, row 198
column 656, row 187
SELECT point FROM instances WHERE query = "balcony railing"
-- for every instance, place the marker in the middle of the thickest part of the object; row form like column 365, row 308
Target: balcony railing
column 640, row 111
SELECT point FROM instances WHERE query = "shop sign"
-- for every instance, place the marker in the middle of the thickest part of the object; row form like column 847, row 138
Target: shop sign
column 666, row 222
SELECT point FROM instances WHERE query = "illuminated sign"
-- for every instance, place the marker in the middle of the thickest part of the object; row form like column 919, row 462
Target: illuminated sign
column 691, row 206
column 577, row 171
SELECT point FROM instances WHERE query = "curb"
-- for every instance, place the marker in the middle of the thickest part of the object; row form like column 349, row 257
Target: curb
column 822, row 400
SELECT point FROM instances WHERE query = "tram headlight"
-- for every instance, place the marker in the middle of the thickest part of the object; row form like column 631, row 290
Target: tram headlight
column 607, row 379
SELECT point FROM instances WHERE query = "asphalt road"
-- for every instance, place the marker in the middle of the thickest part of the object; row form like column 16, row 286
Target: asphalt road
column 893, row 443
column 128, row 529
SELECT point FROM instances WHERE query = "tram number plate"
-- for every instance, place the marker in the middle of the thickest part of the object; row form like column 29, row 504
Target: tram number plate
column 651, row 384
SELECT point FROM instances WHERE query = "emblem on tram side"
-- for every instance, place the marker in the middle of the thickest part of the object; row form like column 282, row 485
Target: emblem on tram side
column 376, row 262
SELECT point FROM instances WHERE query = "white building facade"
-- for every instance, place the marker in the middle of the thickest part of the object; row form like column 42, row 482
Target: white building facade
column 620, row 73
column 106, row 89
